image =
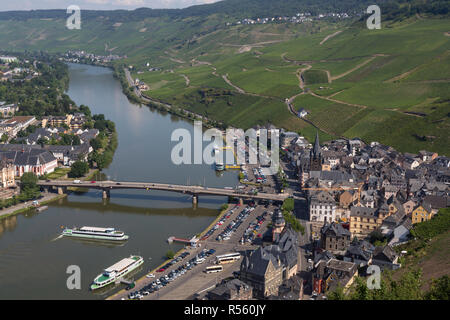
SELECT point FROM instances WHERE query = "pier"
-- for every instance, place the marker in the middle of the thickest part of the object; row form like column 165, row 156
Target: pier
column 192, row 242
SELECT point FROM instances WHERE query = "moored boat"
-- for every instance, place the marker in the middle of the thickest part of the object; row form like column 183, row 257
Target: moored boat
column 116, row 271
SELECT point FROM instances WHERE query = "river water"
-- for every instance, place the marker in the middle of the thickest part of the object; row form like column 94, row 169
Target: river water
column 34, row 260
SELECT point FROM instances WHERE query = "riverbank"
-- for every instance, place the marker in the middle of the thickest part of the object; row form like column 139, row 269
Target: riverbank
column 28, row 205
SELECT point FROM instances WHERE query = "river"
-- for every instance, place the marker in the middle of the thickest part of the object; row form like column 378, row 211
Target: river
column 34, row 260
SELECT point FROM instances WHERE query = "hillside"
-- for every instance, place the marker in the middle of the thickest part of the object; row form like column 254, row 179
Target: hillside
column 388, row 85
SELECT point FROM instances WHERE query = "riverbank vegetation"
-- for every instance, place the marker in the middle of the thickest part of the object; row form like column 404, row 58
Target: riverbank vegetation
column 29, row 190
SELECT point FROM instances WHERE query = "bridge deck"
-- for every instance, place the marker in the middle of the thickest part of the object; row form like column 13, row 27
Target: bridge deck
column 194, row 190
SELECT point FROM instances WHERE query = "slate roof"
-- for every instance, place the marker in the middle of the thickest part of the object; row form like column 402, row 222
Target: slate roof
column 229, row 287
column 385, row 253
column 284, row 249
column 437, row 202
column 336, row 229
column 258, row 261
column 363, row 212
column 33, row 157
column 359, row 252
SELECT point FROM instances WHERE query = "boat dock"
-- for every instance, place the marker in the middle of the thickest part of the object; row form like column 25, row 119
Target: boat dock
column 192, row 242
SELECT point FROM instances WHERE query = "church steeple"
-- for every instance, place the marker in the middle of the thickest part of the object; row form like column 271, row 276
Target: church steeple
column 316, row 150
column 315, row 156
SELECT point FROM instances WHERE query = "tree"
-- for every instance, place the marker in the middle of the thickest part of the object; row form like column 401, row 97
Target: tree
column 96, row 143
column 406, row 288
column 78, row 169
column 28, row 181
column 4, row 137
column 99, row 159
column 170, row 254
column 30, row 189
column 376, row 236
column 440, row 289
column 288, row 205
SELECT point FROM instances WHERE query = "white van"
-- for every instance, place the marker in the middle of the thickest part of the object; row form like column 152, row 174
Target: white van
column 76, row 181
column 200, row 260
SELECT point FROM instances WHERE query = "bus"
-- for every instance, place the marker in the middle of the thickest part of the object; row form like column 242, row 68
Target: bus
column 213, row 269
column 228, row 258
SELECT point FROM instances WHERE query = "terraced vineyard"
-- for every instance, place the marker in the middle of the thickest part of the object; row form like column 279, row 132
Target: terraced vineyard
column 389, row 85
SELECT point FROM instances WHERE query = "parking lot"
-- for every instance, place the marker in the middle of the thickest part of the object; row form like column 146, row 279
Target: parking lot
column 185, row 275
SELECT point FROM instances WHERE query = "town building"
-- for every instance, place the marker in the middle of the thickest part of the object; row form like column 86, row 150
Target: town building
column 7, row 174
column 328, row 275
column 56, row 121
column 37, row 161
column 322, row 207
column 422, row 212
column 386, row 258
column 266, row 268
column 364, row 220
column 263, row 271
column 335, row 238
column 233, row 289
column 15, row 124
column 7, row 110
column 360, row 253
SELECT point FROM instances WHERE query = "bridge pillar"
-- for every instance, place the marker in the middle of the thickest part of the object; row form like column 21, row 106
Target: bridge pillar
column 61, row 190
column 106, row 194
column 241, row 201
column 194, row 199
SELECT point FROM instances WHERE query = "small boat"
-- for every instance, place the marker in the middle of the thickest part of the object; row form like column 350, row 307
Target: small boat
column 39, row 209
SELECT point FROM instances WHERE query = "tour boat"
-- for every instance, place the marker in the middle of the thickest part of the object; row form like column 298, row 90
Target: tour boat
column 96, row 233
column 117, row 271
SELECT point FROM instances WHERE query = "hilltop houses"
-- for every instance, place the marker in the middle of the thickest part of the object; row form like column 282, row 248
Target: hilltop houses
column 7, row 110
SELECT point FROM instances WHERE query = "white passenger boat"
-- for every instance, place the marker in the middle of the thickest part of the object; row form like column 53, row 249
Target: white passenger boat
column 96, row 233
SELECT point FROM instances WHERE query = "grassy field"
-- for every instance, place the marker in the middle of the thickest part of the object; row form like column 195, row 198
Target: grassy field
column 59, row 173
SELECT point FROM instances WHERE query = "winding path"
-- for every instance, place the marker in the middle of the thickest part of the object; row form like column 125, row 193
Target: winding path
column 240, row 90
column 186, row 78
column 330, row 36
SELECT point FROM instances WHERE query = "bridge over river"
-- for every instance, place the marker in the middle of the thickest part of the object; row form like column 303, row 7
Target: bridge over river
column 106, row 186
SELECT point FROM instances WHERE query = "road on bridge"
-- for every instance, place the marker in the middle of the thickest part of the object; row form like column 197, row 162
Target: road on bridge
column 193, row 190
